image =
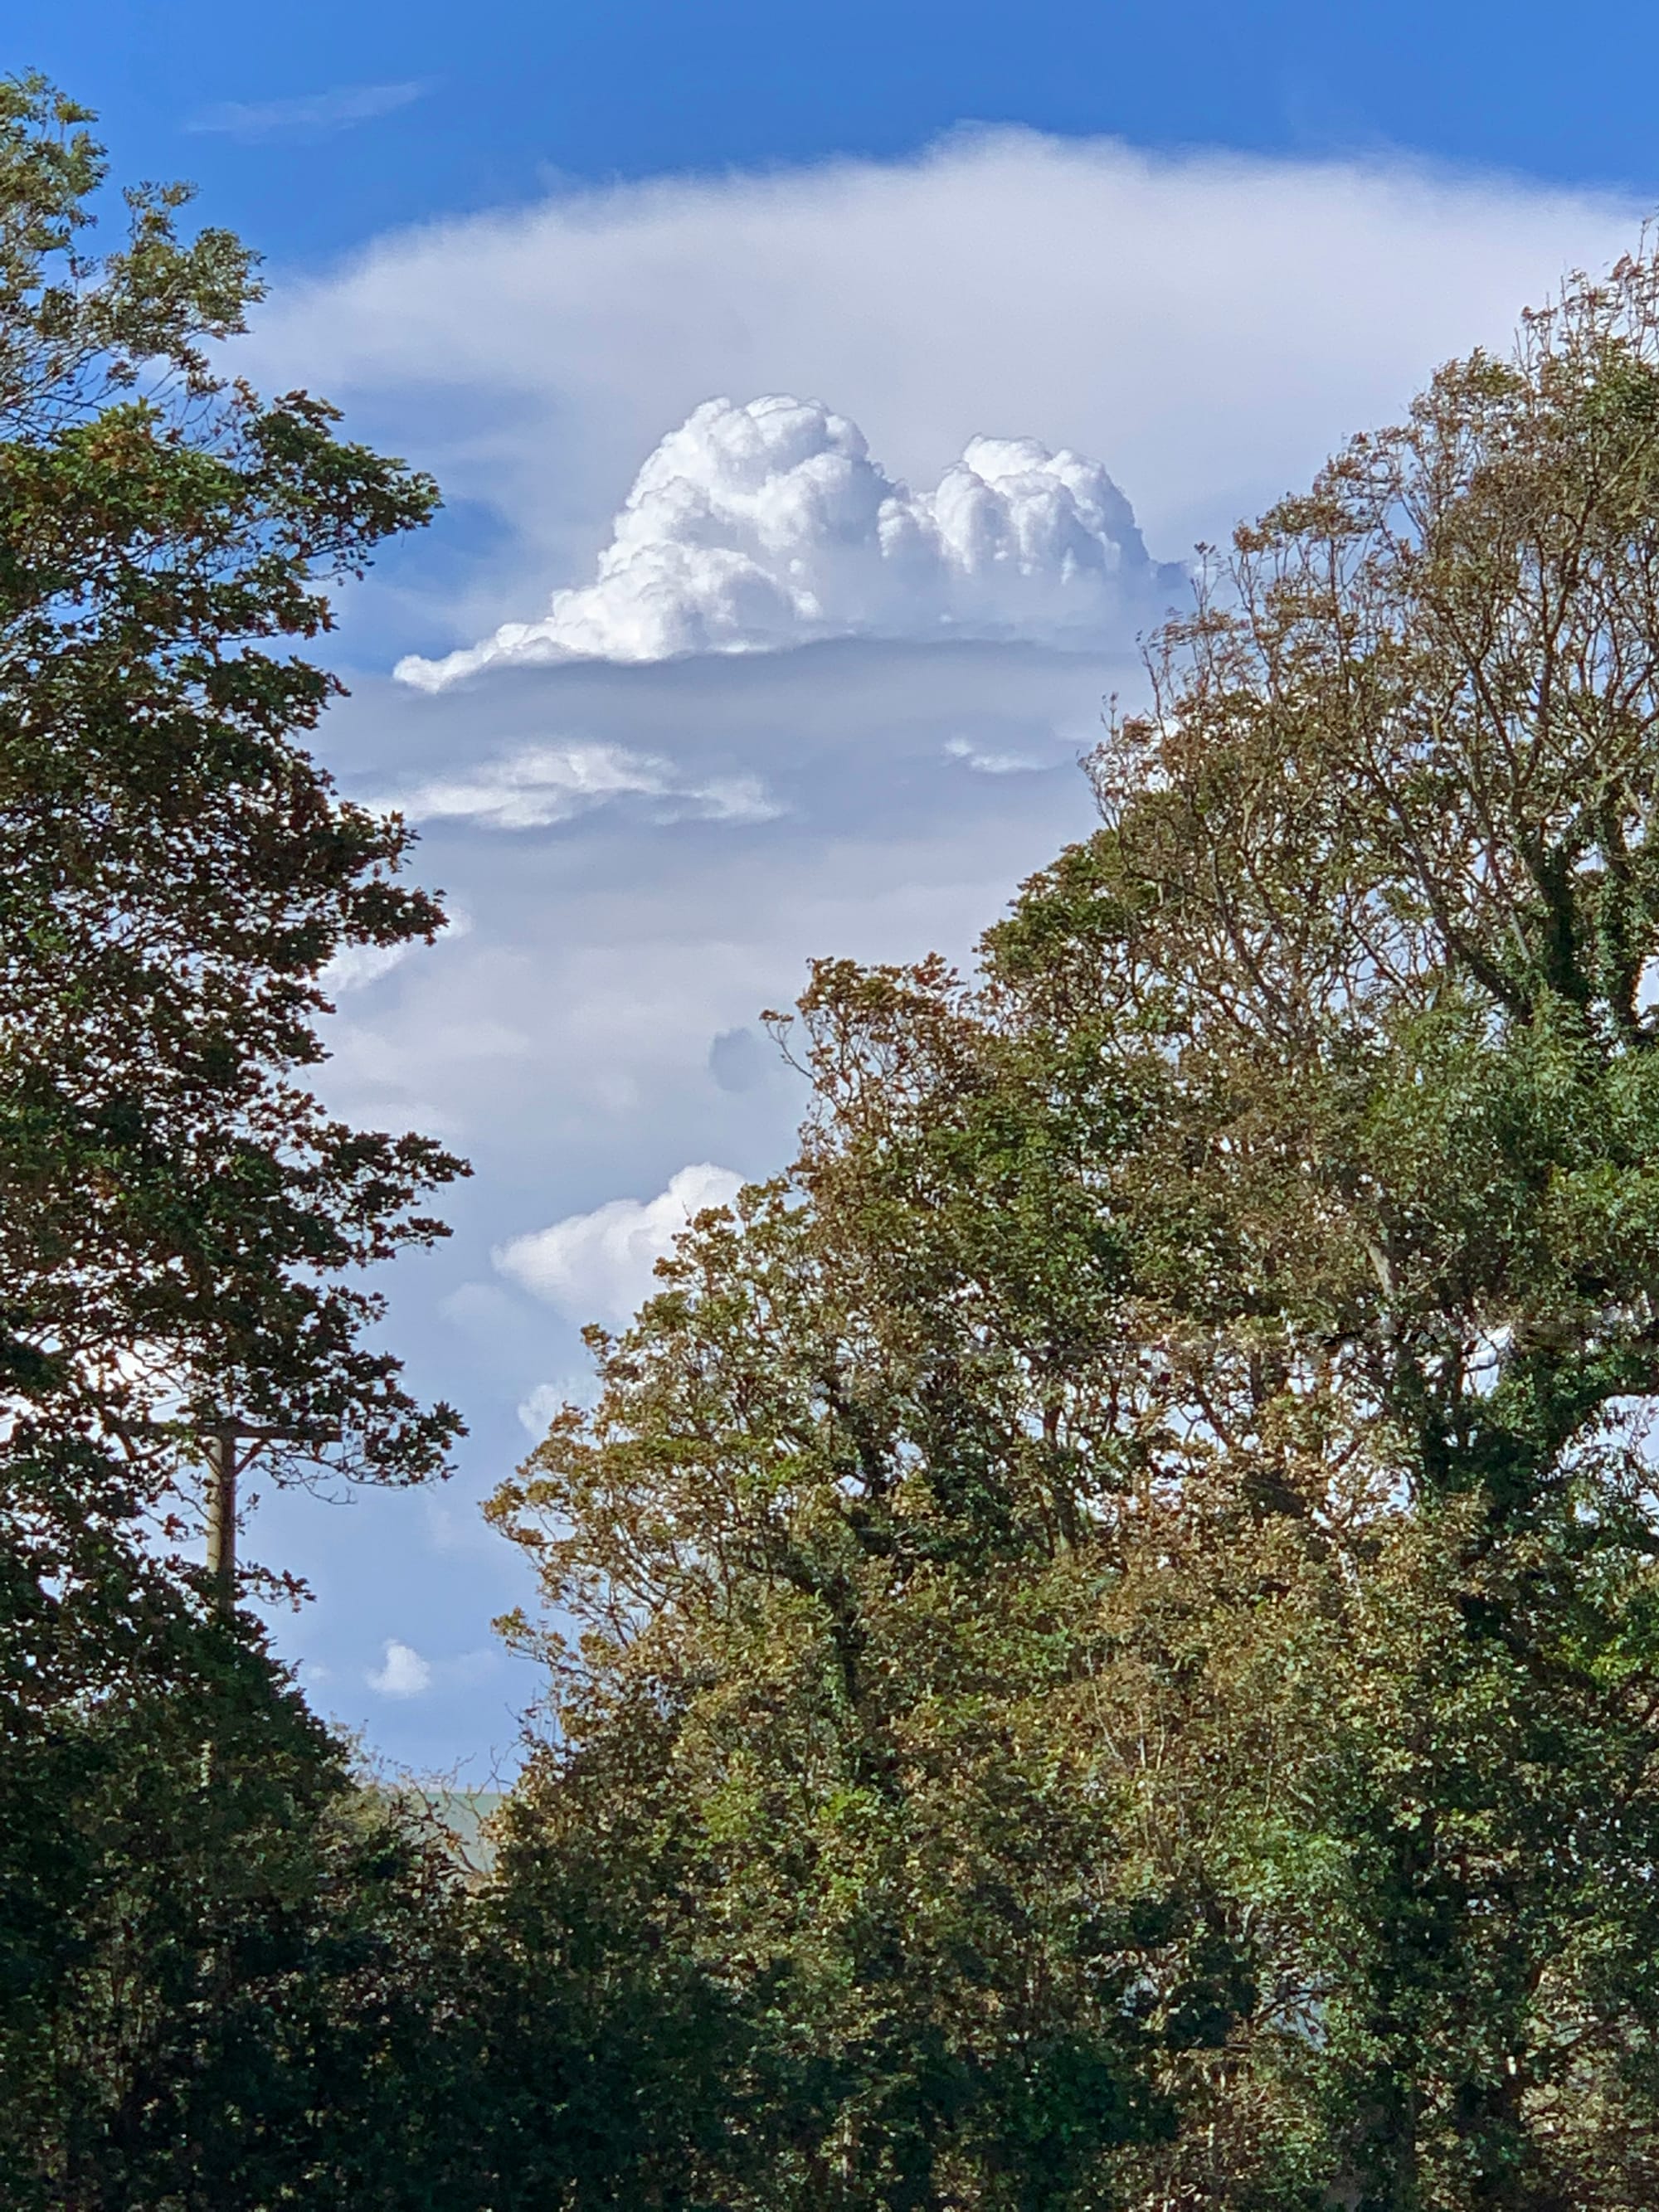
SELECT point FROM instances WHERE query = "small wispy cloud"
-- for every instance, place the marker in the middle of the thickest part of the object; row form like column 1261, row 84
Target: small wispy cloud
column 541, row 784
column 989, row 763
column 317, row 112
column 354, row 967
column 537, row 1411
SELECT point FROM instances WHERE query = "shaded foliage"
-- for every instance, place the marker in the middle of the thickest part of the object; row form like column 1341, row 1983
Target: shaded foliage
column 231, row 1979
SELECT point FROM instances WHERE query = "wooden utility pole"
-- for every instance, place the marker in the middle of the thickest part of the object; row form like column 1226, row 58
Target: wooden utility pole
column 221, row 1446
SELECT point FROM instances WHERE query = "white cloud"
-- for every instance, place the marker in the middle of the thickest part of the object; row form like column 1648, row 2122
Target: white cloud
column 317, row 112
column 603, row 1264
column 536, row 1411
column 767, row 524
column 354, row 967
column 1211, row 325
column 540, row 785
column 989, row 763
column 405, row 1672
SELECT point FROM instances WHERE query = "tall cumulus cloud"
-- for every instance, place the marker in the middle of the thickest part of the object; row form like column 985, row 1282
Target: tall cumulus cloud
column 756, row 526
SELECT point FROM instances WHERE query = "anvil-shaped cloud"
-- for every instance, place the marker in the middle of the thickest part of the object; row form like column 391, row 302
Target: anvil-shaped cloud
column 770, row 525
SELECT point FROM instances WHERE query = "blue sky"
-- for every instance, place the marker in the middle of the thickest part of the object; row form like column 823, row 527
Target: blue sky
column 824, row 401
column 594, row 89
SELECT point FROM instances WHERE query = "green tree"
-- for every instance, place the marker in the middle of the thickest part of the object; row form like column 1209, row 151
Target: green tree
column 232, row 1978
column 221, row 1982
column 827, row 1717
column 1130, row 1579
column 175, row 868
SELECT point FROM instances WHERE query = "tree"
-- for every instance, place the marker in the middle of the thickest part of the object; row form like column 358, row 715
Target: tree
column 1140, row 1554
column 176, row 869
column 829, row 1718
column 231, row 1978
column 1385, row 846
column 221, row 1981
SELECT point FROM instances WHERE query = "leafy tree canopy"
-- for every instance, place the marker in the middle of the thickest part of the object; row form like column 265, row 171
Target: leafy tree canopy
column 225, row 1979
column 175, row 870
column 1116, row 1604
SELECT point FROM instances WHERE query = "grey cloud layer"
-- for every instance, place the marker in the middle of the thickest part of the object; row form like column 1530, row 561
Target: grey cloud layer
column 663, row 869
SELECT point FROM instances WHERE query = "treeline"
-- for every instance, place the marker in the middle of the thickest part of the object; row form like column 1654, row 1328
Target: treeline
column 1103, row 1633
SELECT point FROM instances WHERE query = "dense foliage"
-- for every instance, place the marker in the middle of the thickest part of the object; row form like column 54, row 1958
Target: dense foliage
column 216, row 1963
column 1118, row 1604
column 175, row 868
column 229, row 1978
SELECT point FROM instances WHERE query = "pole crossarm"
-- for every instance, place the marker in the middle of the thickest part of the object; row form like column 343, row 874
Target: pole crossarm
column 225, row 1463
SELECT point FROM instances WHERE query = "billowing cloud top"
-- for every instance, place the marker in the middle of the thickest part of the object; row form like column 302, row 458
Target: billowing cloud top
column 768, row 524
column 604, row 1263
